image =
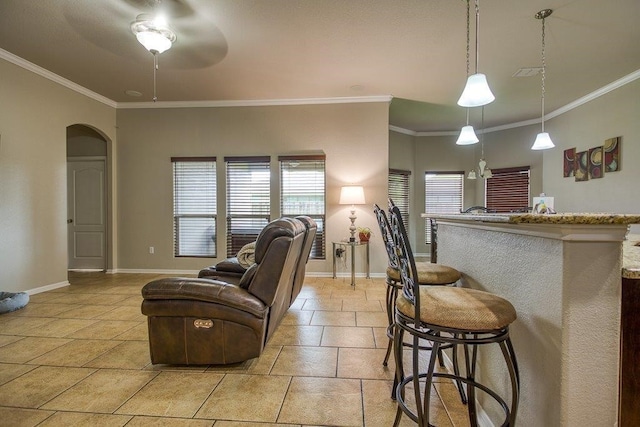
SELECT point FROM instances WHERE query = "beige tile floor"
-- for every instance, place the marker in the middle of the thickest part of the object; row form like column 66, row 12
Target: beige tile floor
column 78, row 356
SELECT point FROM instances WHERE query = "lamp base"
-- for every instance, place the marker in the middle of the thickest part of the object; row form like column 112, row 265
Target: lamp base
column 352, row 227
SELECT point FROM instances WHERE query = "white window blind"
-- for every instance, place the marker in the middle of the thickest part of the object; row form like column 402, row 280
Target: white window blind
column 442, row 194
column 399, row 192
column 248, row 200
column 302, row 192
column 508, row 189
column 194, row 206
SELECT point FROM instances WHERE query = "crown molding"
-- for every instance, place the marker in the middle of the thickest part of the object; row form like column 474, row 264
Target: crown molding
column 255, row 102
column 403, row 130
column 14, row 59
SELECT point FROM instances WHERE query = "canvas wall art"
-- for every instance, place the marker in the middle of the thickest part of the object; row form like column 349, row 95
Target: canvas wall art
column 582, row 166
column 595, row 163
column 569, row 162
column 612, row 154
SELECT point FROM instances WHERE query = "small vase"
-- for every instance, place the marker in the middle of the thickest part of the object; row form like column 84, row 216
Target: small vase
column 364, row 237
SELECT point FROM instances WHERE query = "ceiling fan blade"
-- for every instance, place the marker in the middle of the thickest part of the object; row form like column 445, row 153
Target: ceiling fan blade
column 170, row 8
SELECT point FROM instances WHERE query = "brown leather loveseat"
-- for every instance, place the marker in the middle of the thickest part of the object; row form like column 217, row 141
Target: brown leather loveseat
column 210, row 321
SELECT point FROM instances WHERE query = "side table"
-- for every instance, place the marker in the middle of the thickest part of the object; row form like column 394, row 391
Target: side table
column 352, row 246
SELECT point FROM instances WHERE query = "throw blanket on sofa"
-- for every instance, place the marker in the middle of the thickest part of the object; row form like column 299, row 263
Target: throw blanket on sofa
column 247, row 255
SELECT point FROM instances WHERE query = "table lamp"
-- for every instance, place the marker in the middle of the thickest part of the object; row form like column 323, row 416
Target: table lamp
column 352, row 195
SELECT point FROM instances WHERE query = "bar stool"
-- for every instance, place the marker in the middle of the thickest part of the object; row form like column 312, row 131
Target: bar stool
column 428, row 273
column 447, row 316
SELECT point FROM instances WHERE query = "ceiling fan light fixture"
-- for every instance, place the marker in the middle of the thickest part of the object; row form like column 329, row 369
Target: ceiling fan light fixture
column 153, row 41
column 467, row 136
column 153, row 33
column 476, row 92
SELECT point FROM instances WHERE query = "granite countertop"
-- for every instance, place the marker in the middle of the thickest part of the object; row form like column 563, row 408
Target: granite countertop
column 560, row 218
column 631, row 257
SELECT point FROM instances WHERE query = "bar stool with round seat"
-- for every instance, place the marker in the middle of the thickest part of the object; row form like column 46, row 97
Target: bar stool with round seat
column 447, row 316
column 428, row 273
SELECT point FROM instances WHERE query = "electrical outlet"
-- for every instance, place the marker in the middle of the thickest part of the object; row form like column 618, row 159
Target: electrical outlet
column 152, row 250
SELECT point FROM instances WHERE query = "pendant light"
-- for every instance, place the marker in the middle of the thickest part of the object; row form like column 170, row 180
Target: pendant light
column 476, row 93
column 483, row 171
column 467, row 134
column 155, row 35
column 543, row 140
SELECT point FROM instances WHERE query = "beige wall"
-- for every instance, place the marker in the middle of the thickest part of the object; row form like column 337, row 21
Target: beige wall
column 34, row 115
column 614, row 114
column 354, row 138
column 440, row 153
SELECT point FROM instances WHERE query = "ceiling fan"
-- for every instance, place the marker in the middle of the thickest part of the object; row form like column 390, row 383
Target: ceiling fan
column 199, row 44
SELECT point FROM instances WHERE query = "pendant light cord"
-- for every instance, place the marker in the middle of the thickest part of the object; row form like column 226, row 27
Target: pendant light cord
column 468, row 43
column 477, row 32
column 482, row 133
column 544, row 66
column 155, row 69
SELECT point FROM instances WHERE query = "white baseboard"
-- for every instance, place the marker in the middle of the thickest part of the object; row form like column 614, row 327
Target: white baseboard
column 308, row 273
column 46, row 288
column 153, row 271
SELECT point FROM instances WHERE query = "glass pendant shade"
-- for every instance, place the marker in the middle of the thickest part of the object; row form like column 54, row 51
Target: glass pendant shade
column 476, row 92
column 153, row 41
column 542, row 142
column 467, row 136
column 472, row 174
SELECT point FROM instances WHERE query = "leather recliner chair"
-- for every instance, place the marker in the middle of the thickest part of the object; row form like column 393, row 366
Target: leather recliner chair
column 230, row 270
column 207, row 321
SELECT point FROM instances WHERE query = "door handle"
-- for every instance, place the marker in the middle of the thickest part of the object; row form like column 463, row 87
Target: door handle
column 69, row 221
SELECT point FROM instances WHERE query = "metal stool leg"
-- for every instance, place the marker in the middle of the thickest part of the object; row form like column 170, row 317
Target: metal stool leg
column 392, row 293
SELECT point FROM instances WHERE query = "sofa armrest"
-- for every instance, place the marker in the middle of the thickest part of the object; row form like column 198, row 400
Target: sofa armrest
column 231, row 265
column 206, row 290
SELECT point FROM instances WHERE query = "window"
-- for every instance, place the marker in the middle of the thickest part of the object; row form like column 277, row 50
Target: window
column 399, row 192
column 508, row 189
column 194, row 206
column 442, row 195
column 248, row 204
column 302, row 192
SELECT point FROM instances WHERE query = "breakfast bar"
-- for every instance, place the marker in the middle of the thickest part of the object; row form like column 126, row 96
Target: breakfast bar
column 563, row 274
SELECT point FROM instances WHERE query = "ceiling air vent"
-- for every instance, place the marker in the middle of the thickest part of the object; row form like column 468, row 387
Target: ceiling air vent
column 527, row 72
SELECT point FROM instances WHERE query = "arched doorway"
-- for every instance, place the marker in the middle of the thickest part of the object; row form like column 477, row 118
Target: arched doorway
column 87, row 198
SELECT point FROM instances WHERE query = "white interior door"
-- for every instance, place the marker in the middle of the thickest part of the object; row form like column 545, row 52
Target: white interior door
column 86, row 197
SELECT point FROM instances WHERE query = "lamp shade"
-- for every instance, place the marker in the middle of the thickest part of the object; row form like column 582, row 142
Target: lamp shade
column 476, row 92
column 542, row 142
column 467, row 136
column 154, row 41
column 352, row 195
